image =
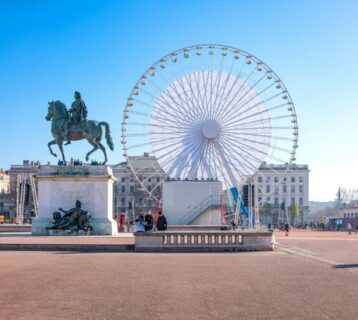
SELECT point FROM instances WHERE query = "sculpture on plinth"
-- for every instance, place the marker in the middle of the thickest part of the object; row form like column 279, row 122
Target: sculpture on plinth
column 73, row 220
column 72, row 125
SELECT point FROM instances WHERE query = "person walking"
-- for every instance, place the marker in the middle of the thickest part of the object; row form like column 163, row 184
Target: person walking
column 162, row 224
column 287, row 228
column 149, row 221
column 349, row 228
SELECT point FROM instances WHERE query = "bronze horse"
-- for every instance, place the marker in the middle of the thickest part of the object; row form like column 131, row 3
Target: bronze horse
column 90, row 130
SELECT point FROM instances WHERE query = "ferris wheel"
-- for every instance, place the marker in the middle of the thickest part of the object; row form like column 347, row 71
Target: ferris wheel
column 209, row 112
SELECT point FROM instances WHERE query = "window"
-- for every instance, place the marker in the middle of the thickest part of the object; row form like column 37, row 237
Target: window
column 284, row 179
column 123, row 179
column 259, row 199
column 158, row 179
column 260, row 189
column 301, row 188
column 301, row 179
column 259, row 179
column 140, row 201
column 276, row 201
column 123, row 189
column 149, row 188
column 131, row 188
column 293, row 200
column 284, row 188
column 293, row 179
column 293, row 188
column 123, row 202
column 276, row 179
column 301, row 201
column 268, row 199
column 356, row 214
column 149, row 179
column 268, row 179
column 268, row 188
column 344, row 215
column 276, row 190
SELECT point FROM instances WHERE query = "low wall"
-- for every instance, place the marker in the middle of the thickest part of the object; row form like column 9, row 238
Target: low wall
column 204, row 241
column 15, row 228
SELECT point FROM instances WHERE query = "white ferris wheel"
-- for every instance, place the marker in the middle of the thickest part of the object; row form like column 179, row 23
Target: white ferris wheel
column 209, row 112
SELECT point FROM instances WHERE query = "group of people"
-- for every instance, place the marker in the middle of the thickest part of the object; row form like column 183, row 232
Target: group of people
column 146, row 223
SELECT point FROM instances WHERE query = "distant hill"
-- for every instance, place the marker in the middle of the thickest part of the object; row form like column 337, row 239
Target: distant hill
column 320, row 205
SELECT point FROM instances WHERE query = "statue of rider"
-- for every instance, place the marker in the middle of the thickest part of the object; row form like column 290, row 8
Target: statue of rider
column 78, row 114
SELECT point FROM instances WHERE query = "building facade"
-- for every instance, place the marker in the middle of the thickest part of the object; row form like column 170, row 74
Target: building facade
column 284, row 193
column 134, row 197
column 4, row 181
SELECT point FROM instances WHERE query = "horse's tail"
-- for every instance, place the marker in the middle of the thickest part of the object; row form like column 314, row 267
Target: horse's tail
column 108, row 135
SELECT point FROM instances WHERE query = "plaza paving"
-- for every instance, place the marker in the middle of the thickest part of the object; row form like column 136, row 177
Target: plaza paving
column 300, row 280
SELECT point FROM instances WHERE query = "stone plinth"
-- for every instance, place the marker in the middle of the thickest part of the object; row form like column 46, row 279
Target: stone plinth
column 61, row 186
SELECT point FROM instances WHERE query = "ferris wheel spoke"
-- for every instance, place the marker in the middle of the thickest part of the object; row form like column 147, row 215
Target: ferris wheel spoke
column 227, row 152
column 219, row 106
column 185, row 103
column 173, row 149
column 252, row 97
column 198, row 104
column 157, row 117
column 223, row 160
column 229, row 115
column 202, row 111
column 269, row 120
column 197, row 159
column 153, row 97
column 181, row 160
column 260, row 151
column 198, row 88
column 248, row 155
column 137, row 146
column 228, row 105
column 238, row 129
column 265, row 144
column 193, row 110
column 174, row 145
column 217, row 86
column 235, row 134
column 253, row 115
column 236, row 106
column 158, row 108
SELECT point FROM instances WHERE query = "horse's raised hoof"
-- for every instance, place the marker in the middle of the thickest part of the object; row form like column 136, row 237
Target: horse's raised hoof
column 87, row 158
column 55, row 155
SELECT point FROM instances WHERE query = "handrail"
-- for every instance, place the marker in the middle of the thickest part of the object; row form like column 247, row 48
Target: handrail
column 209, row 202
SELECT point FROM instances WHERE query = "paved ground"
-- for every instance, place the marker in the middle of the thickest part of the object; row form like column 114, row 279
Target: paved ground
column 27, row 238
column 292, row 283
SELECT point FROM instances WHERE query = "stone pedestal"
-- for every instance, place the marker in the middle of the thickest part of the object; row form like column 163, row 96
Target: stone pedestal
column 61, row 186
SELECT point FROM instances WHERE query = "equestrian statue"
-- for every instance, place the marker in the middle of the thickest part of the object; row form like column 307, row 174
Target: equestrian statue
column 72, row 125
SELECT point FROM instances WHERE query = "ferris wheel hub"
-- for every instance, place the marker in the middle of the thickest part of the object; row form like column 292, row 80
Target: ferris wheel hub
column 210, row 129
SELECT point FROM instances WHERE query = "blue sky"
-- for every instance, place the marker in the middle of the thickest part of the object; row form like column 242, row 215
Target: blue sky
column 48, row 49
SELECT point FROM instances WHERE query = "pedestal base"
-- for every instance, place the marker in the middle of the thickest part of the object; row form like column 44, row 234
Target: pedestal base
column 62, row 186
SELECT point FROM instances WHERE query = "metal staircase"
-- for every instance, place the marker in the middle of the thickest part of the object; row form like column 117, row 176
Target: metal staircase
column 210, row 202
